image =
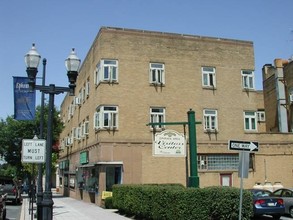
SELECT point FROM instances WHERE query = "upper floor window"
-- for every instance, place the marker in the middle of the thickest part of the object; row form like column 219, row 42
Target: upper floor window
column 208, row 76
column 250, row 119
column 247, row 79
column 157, row 73
column 157, row 115
column 107, row 71
column 210, row 120
column 106, row 117
column 261, row 116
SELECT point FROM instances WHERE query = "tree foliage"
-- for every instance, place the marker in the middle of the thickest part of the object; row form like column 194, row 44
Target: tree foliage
column 13, row 131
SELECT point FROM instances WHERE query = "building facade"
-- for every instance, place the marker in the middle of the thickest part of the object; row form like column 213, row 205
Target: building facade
column 130, row 78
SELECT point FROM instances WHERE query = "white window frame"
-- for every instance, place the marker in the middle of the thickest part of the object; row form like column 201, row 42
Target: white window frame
column 210, row 118
column 87, row 88
column 157, row 114
column 208, row 76
column 106, row 117
column 69, row 113
column 261, row 116
column 107, row 71
column 86, row 128
column 247, row 79
column 74, row 133
column 157, row 74
column 250, row 121
column 71, row 109
column 77, row 100
column 68, row 141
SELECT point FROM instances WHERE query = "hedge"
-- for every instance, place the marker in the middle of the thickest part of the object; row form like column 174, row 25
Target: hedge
column 173, row 201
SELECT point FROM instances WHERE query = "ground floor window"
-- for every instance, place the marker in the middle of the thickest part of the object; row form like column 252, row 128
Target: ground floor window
column 113, row 176
column 221, row 161
column 88, row 178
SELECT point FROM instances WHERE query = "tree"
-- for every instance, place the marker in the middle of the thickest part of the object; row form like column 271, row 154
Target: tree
column 12, row 132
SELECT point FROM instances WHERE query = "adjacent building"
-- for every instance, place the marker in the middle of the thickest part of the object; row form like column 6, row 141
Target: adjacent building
column 130, row 78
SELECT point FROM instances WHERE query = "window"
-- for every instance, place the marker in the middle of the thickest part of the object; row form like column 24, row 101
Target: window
column 86, row 128
column 208, row 77
column 87, row 88
column 210, row 120
column 107, row 71
column 157, row 73
column 250, row 121
column 113, row 176
column 106, row 117
column 261, row 116
column 220, row 161
column 157, row 115
column 247, row 79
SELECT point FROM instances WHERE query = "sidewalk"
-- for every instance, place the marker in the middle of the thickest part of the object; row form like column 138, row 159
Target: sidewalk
column 66, row 208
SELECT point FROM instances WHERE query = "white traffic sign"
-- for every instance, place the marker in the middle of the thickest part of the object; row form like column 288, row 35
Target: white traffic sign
column 33, row 151
column 243, row 145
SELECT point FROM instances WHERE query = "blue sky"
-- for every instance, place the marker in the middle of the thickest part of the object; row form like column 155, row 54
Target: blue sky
column 57, row 26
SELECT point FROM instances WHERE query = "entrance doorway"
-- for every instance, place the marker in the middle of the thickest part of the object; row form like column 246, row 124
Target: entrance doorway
column 113, row 176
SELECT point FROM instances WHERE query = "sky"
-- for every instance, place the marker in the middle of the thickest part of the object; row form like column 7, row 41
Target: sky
column 57, row 26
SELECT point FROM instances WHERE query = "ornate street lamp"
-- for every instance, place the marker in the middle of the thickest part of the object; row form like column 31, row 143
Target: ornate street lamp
column 72, row 63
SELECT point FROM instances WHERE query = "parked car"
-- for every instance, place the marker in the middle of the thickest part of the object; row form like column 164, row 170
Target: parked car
column 2, row 206
column 11, row 190
column 264, row 203
column 287, row 195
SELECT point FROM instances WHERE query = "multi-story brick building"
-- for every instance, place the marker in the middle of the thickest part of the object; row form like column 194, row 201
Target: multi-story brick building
column 132, row 77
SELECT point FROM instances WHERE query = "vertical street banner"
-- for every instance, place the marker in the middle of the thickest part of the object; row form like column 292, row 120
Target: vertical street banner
column 24, row 99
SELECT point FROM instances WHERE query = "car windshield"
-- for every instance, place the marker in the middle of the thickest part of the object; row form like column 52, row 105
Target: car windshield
column 261, row 193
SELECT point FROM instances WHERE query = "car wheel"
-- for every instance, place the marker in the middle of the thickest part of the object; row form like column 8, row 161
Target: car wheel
column 291, row 212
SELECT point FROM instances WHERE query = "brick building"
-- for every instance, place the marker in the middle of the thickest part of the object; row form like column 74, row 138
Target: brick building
column 132, row 77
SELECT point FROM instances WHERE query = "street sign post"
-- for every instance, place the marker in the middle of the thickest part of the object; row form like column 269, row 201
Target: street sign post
column 243, row 145
column 33, row 151
column 244, row 148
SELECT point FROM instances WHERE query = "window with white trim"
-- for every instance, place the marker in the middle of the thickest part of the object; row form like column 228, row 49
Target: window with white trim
column 78, row 131
column 261, row 116
column 157, row 73
column 87, row 88
column 250, row 119
column 106, row 117
column 208, row 77
column 86, row 127
column 247, row 79
column 210, row 120
column 107, row 71
column 157, row 115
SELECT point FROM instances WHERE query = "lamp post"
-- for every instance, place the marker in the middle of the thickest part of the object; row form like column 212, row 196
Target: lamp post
column 32, row 59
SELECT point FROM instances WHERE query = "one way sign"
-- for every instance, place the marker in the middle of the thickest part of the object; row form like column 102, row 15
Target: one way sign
column 243, row 145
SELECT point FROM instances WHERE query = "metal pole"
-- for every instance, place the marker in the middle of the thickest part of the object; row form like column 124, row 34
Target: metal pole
column 47, row 195
column 241, row 185
column 33, row 192
column 40, row 166
column 193, row 179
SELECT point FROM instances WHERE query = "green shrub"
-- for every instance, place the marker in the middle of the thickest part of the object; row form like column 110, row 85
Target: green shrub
column 109, row 203
column 173, row 201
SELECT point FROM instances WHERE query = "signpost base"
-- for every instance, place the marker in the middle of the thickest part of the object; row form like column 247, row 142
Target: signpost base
column 193, row 181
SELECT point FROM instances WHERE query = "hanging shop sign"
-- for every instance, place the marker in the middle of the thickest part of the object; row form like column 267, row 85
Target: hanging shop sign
column 169, row 143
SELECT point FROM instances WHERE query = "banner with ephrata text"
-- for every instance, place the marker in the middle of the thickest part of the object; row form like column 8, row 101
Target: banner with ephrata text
column 24, row 99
